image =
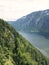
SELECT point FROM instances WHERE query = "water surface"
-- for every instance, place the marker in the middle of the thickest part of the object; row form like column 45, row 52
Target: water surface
column 38, row 41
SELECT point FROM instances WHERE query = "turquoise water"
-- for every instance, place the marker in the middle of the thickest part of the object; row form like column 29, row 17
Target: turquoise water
column 38, row 41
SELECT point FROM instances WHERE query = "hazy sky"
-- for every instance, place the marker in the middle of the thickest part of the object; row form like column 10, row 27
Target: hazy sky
column 14, row 9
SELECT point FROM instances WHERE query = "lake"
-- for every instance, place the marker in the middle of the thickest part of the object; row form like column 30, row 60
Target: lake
column 37, row 40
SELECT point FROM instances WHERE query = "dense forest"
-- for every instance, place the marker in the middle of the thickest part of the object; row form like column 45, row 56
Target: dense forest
column 16, row 50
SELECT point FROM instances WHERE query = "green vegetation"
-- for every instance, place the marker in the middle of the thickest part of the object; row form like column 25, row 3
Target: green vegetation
column 16, row 50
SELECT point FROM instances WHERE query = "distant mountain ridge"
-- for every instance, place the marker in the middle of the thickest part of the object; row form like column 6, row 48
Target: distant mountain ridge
column 34, row 22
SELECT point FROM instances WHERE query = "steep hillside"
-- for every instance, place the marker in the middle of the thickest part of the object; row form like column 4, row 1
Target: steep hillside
column 16, row 50
column 34, row 22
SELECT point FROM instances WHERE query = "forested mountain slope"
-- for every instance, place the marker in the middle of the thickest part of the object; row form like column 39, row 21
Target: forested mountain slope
column 16, row 50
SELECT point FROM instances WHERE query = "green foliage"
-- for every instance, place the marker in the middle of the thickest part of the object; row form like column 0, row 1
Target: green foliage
column 16, row 50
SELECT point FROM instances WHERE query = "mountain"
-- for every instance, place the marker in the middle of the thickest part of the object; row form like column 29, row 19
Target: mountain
column 34, row 22
column 16, row 50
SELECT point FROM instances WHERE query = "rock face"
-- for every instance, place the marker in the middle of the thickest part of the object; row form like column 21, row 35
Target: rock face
column 16, row 50
column 36, row 22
